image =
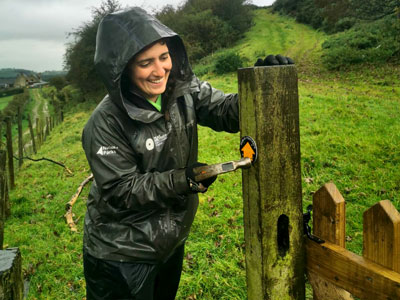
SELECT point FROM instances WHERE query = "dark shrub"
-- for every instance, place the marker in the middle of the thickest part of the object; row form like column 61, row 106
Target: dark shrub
column 372, row 42
column 228, row 62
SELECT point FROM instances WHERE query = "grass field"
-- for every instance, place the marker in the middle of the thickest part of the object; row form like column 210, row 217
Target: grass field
column 350, row 134
column 4, row 101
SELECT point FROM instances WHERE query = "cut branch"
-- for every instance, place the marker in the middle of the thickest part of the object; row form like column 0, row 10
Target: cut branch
column 47, row 159
column 68, row 207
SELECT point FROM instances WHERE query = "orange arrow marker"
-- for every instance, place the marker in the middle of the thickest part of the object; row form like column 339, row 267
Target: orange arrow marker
column 248, row 151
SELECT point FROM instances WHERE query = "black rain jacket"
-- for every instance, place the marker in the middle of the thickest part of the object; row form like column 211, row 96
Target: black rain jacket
column 140, row 207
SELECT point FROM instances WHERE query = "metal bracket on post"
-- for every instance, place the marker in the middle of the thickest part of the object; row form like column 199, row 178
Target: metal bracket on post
column 307, row 228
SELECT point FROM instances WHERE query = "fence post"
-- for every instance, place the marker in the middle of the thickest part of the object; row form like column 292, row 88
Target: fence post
column 47, row 126
column 3, row 180
column 38, row 139
column 269, row 112
column 20, row 144
column 1, row 135
column 381, row 237
column 32, row 135
column 11, row 282
column 44, row 130
column 10, row 154
column 329, row 224
column 7, row 199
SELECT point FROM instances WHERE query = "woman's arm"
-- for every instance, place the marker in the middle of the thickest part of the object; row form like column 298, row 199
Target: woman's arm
column 217, row 110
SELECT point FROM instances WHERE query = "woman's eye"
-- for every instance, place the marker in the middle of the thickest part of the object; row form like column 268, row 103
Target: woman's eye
column 144, row 65
column 164, row 57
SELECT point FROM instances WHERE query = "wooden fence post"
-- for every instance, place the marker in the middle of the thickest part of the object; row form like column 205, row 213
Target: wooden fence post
column 20, row 143
column 32, row 135
column 3, row 180
column 47, row 126
column 381, row 238
column 269, row 112
column 7, row 208
column 329, row 224
column 44, row 130
column 11, row 282
column 38, row 140
column 10, row 154
column 7, row 200
column 1, row 135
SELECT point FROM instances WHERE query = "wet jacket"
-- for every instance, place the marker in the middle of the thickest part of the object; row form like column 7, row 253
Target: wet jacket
column 140, row 207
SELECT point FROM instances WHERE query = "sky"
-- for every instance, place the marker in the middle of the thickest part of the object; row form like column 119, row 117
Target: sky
column 34, row 33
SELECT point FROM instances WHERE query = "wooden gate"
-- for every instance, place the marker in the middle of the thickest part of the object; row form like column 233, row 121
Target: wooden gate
column 335, row 272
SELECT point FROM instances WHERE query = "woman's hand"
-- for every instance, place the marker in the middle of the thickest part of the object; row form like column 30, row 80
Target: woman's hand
column 200, row 186
column 272, row 60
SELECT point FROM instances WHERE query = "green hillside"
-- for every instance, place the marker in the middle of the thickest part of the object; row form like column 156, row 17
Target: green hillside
column 350, row 134
column 13, row 73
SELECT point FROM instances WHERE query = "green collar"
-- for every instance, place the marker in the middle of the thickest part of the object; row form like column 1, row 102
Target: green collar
column 156, row 104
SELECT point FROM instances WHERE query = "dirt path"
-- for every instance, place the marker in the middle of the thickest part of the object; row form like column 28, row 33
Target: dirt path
column 40, row 110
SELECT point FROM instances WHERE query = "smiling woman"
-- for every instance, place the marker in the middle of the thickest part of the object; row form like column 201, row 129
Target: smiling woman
column 144, row 197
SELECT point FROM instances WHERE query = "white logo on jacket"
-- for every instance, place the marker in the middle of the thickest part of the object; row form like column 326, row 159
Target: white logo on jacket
column 156, row 142
column 107, row 150
column 149, row 144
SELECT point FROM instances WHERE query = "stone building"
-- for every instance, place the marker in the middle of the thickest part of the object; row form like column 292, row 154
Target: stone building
column 24, row 80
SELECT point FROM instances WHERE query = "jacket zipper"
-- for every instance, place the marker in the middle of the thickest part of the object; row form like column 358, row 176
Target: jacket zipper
column 168, row 220
column 170, row 120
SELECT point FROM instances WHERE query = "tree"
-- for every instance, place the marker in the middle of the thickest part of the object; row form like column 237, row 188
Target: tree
column 374, row 9
column 79, row 56
column 235, row 13
column 207, row 25
column 58, row 82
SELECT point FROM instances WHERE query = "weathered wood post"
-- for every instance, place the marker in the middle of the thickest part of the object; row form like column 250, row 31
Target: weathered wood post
column 7, row 200
column 1, row 135
column 47, row 126
column 3, row 158
column 39, row 138
column 269, row 112
column 11, row 282
column 32, row 134
column 10, row 154
column 20, row 144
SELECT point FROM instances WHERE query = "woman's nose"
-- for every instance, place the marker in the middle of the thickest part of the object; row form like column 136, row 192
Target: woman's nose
column 159, row 69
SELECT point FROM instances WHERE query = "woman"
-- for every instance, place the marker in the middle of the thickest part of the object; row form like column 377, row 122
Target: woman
column 141, row 144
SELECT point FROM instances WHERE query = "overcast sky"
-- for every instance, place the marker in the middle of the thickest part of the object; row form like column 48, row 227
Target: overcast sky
column 33, row 33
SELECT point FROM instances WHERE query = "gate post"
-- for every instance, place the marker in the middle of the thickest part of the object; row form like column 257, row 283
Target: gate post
column 273, row 227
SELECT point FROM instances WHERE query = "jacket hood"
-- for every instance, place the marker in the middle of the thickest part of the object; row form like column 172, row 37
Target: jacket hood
column 123, row 34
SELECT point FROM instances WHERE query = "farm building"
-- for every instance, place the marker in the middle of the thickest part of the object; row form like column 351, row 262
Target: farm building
column 6, row 83
column 24, row 80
